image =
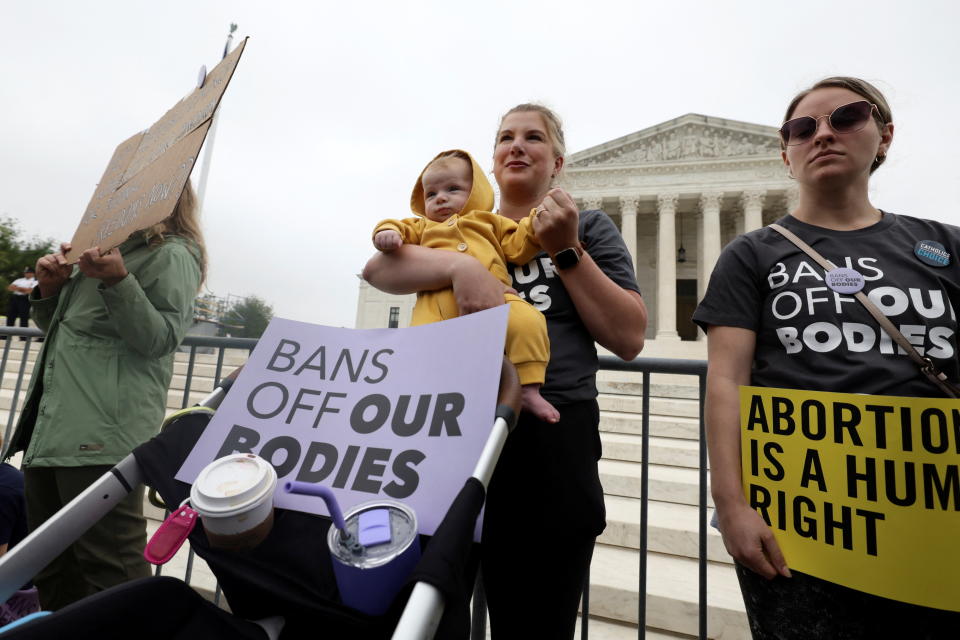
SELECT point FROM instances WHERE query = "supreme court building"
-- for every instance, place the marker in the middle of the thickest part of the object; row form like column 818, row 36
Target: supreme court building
column 678, row 191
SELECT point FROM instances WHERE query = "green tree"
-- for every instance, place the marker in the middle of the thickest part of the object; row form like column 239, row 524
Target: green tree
column 248, row 318
column 17, row 252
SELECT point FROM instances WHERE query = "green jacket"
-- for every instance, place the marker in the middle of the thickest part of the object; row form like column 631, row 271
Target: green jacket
column 99, row 385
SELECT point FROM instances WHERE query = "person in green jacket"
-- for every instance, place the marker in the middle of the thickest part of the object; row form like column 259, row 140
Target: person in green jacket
column 99, row 387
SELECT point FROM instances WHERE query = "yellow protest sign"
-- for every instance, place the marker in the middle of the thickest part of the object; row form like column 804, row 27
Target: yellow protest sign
column 859, row 490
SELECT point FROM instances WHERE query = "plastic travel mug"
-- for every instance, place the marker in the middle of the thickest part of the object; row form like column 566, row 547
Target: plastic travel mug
column 387, row 532
column 234, row 497
column 374, row 546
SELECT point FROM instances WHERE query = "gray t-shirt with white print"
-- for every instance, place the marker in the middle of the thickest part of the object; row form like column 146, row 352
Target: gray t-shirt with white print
column 571, row 373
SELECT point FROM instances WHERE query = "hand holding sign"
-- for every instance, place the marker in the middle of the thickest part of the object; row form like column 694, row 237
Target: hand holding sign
column 107, row 267
column 53, row 272
column 750, row 541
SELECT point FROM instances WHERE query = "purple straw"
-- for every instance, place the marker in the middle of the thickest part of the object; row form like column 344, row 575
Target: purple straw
column 310, row 489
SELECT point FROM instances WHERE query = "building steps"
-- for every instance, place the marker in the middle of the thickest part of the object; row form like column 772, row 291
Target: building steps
column 671, row 592
column 666, row 426
column 671, row 529
column 674, row 452
column 603, row 629
column 659, row 406
column 666, row 484
column 175, row 399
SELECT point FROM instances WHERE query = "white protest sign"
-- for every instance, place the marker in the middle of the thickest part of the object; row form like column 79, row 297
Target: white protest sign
column 398, row 414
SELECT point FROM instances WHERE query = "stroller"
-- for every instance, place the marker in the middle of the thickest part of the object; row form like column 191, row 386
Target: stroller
column 285, row 587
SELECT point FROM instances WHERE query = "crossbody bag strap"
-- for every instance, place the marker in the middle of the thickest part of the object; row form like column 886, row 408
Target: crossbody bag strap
column 927, row 367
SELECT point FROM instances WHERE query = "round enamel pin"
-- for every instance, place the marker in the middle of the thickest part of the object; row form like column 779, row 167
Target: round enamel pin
column 845, row 280
column 932, row 253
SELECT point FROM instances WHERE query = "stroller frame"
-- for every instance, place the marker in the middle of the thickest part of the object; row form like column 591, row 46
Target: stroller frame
column 424, row 609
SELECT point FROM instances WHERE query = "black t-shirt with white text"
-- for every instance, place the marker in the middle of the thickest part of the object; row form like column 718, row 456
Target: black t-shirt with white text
column 571, row 373
column 811, row 337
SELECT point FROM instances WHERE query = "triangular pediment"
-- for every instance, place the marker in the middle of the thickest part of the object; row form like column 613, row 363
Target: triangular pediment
column 687, row 138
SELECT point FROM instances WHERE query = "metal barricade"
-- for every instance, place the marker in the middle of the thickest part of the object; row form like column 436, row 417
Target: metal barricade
column 22, row 345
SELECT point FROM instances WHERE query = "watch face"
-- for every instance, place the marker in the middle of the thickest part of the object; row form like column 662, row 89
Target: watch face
column 566, row 258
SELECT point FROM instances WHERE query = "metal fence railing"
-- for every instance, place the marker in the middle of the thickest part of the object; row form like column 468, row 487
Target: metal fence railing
column 192, row 345
column 20, row 343
column 648, row 366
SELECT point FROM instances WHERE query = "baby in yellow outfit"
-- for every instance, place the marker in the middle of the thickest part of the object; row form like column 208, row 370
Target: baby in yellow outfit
column 452, row 199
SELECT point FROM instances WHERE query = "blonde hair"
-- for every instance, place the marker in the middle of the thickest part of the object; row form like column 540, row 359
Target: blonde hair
column 882, row 116
column 183, row 222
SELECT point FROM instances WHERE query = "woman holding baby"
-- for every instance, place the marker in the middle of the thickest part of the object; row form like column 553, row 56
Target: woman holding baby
column 545, row 502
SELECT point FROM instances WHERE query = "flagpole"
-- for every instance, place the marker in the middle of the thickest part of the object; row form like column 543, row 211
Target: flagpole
column 208, row 145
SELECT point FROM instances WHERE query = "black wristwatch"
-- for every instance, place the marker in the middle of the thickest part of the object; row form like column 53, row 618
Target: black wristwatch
column 567, row 258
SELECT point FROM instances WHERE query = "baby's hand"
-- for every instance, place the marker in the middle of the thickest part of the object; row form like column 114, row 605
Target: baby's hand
column 387, row 240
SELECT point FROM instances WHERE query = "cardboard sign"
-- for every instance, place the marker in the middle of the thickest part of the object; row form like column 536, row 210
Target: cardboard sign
column 400, row 414
column 860, row 490
column 144, row 200
column 148, row 171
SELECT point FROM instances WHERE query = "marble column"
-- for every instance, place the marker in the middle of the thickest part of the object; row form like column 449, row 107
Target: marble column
column 667, row 267
column 628, row 225
column 592, row 203
column 752, row 204
column 710, row 230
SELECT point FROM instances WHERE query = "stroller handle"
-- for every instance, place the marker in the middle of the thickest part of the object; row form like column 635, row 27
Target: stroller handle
column 508, row 395
column 421, row 617
column 216, row 397
column 505, row 419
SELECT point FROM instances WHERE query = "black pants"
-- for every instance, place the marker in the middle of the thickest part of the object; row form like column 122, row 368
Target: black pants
column 807, row 608
column 150, row 609
column 109, row 553
column 544, row 512
column 18, row 307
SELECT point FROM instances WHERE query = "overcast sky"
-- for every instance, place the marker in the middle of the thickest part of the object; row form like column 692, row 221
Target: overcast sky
column 336, row 106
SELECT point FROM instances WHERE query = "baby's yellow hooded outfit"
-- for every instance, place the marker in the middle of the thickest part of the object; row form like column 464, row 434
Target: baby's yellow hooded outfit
column 494, row 240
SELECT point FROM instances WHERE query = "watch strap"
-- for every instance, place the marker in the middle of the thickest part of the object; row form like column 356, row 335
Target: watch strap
column 567, row 258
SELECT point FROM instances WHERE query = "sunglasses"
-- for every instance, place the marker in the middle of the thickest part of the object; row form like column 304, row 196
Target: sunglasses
column 846, row 118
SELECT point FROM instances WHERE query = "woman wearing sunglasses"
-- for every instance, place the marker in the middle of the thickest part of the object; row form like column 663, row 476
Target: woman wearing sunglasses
column 772, row 321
